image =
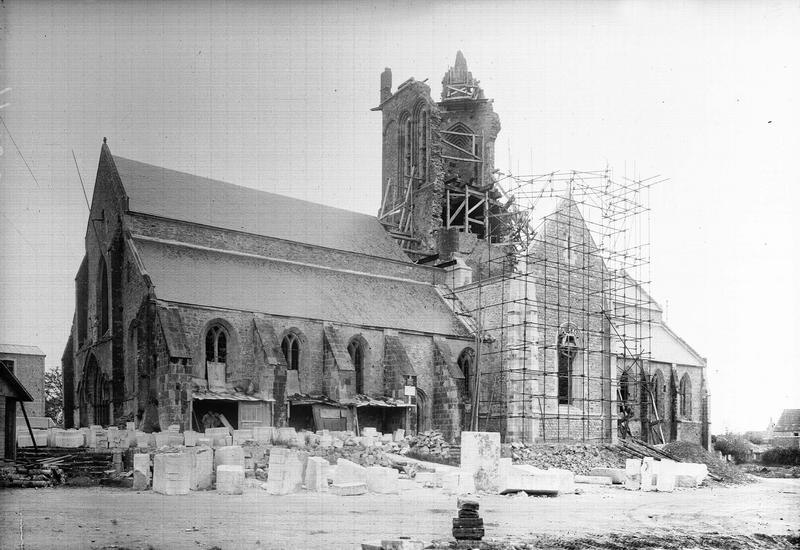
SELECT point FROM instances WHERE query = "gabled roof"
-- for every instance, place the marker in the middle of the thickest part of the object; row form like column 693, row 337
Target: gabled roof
column 13, row 382
column 177, row 195
column 20, row 350
column 789, row 421
column 191, row 274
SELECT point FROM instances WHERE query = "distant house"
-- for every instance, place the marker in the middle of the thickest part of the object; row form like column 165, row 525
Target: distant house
column 11, row 391
column 27, row 365
column 787, row 429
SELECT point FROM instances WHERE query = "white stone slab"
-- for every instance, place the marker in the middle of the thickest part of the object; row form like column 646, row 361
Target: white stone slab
column 348, row 489
column 171, row 473
column 633, row 474
column 647, row 474
column 480, row 454
column 593, row 480
column 665, row 482
column 231, row 455
column 230, row 479
column 201, row 475
column 382, row 480
column 285, row 474
column 617, row 475
column 349, row 472
column 316, row 474
column 141, row 471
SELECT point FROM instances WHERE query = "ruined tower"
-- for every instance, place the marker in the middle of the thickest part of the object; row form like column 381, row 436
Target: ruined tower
column 438, row 194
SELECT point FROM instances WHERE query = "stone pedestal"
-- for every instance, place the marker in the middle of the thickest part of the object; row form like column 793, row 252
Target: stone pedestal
column 202, row 472
column 480, row 454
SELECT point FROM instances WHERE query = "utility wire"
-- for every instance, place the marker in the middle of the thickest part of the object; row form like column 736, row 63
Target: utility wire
column 85, row 196
column 22, row 236
column 19, row 151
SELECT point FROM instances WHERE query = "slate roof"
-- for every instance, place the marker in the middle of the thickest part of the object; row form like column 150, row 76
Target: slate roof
column 20, row 350
column 665, row 346
column 202, row 276
column 177, row 195
column 789, row 421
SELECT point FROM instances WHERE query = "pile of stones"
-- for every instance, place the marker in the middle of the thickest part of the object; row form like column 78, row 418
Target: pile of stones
column 579, row 458
column 468, row 525
column 31, row 475
column 431, row 444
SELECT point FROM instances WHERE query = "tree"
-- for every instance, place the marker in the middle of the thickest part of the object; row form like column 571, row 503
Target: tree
column 54, row 394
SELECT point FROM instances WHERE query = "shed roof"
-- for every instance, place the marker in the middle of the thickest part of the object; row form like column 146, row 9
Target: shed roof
column 20, row 350
column 789, row 421
column 177, row 195
column 8, row 378
column 207, row 277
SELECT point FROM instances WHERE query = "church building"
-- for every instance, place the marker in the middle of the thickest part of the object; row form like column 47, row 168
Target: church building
column 198, row 299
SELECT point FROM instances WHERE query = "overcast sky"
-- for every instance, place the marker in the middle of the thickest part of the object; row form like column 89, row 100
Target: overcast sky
column 276, row 96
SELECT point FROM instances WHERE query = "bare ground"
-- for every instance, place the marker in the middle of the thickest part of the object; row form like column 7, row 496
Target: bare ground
column 765, row 514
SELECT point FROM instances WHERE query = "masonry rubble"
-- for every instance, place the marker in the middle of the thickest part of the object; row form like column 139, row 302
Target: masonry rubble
column 283, row 460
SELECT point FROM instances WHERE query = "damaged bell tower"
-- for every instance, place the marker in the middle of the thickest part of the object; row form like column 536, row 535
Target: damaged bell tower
column 439, row 198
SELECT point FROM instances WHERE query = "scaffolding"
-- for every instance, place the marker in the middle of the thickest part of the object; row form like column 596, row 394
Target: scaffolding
column 563, row 302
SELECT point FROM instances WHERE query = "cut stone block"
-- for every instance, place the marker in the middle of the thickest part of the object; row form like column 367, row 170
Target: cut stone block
column 285, row 472
column 593, row 480
column 263, row 434
column 480, row 454
column 399, row 434
column 175, row 439
column 369, row 432
column 232, row 455
column 162, row 439
column 617, row 475
column 171, row 473
column 531, row 480
column 688, row 474
column 68, row 438
column 458, row 482
column 230, row 479
column 218, row 436
column 240, row 436
column 316, row 477
column 633, row 474
column 647, row 473
column 348, row 489
column 325, row 441
column 190, row 438
column 203, row 441
column 402, row 544
column 202, row 472
column 666, row 476
column 382, row 480
column 141, row 471
column 566, row 480
column 349, row 472
column 285, row 436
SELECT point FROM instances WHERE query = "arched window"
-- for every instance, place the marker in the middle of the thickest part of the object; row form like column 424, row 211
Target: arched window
column 216, row 344
column 95, row 394
column 567, row 351
column 216, row 355
column 686, row 396
column 466, row 362
column 291, row 350
column 102, row 298
column 356, row 350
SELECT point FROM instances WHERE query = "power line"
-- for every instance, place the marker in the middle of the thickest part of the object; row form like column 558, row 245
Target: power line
column 19, row 151
column 18, row 231
column 85, row 196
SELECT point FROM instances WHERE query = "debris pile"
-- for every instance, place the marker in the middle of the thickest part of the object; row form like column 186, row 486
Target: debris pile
column 720, row 470
column 579, row 458
column 31, row 475
column 430, row 446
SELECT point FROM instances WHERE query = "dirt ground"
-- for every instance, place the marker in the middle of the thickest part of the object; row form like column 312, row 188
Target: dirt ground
column 765, row 514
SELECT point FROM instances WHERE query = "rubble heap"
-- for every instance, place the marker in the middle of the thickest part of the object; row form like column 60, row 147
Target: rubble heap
column 579, row 458
column 430, row 446
column 31, row 475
